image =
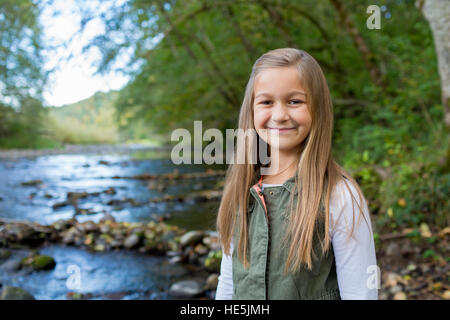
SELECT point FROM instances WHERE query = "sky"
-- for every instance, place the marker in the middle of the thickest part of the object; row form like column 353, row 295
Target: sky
column 73, row 79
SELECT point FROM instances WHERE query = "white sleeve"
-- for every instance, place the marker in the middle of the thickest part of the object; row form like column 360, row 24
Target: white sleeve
column 356, row 266
column 225, row 285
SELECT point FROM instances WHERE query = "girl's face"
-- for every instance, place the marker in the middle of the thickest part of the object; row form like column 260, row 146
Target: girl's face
column 280, row 106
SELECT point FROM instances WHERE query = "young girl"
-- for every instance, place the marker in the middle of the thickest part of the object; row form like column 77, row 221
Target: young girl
column 317, row 248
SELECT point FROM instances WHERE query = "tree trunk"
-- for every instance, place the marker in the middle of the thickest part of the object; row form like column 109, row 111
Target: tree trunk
column 437, row 12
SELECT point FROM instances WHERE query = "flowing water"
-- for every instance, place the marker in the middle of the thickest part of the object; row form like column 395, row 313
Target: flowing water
column 116, row 274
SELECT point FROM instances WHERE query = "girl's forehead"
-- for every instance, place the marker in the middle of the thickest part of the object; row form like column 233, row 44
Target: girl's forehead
column 274, row 80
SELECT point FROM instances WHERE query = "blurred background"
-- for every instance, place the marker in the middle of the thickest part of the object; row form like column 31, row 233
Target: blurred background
column 92, row 207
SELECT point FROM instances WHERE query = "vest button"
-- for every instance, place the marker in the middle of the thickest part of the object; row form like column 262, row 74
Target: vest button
column 271, row 192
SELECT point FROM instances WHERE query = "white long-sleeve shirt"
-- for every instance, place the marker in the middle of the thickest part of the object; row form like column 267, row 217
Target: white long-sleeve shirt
column 356, row 267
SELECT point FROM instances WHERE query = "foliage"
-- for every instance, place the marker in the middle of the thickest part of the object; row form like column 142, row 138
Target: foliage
column 21, row 74
column 190, row 60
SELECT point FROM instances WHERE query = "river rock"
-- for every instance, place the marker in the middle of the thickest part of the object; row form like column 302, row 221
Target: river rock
column 39, row 262
column 131, row 241
column 26, row 234
column 201, row 249
column 62, row 224
column 74, row 196
column 31, row 183
column 78, row 296
column 71, row 235
column 57, row 205
column 87, row 226
column 107, row 217
column 168, row 235
column 110, row 190
column 177, row 259
column 186, row 289
column 105, row 228
column 191, row 237
column 4, row 254
column 15, row 293
column 212, row 281
column 212, row 242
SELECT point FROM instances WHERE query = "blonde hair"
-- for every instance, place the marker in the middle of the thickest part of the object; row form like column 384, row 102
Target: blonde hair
column 317, row 171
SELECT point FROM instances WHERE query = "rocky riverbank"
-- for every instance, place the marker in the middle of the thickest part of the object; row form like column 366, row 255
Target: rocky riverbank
column 200, row 250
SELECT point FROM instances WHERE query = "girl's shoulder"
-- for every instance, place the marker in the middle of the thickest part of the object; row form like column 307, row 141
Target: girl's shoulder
column 343, row 193
column 346, row 207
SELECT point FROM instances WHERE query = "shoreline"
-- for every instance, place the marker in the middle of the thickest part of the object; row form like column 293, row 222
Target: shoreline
column 81, row 149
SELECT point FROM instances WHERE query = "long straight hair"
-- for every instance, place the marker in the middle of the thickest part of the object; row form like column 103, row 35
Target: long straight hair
column 317, row 172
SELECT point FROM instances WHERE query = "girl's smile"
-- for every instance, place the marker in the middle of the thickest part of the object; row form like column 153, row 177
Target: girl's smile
column 282, row 130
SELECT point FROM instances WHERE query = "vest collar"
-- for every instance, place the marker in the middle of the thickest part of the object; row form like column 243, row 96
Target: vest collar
column 288, row 184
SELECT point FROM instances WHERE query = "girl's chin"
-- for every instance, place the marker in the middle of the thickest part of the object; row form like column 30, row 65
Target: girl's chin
column 284, row 147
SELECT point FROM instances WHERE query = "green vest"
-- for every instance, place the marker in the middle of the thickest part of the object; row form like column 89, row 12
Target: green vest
column 265, row 278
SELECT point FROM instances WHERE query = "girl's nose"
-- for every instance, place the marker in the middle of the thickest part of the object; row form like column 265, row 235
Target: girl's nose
column 279, row 112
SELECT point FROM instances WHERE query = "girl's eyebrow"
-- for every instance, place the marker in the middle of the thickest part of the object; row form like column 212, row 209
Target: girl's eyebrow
column 289, row 94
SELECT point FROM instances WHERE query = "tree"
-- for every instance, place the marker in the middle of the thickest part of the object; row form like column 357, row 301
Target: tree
column 437, row 12
column 21, row 62
column 21, row 72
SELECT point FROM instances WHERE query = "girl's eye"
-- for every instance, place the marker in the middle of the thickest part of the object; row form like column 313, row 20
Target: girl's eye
column 295, row 101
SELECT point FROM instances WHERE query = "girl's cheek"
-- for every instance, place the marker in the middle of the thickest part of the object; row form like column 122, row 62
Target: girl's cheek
column 303, row 118
column 260, row 118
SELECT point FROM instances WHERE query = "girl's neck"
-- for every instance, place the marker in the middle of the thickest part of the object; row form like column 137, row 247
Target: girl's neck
column 284, row 168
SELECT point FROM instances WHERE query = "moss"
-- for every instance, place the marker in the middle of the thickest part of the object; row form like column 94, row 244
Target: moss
column 39, row 262
column 213, row 260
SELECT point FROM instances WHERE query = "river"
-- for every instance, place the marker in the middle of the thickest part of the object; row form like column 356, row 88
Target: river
column 119, row 274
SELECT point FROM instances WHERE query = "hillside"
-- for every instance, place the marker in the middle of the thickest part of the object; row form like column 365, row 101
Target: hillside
column 87, row 121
